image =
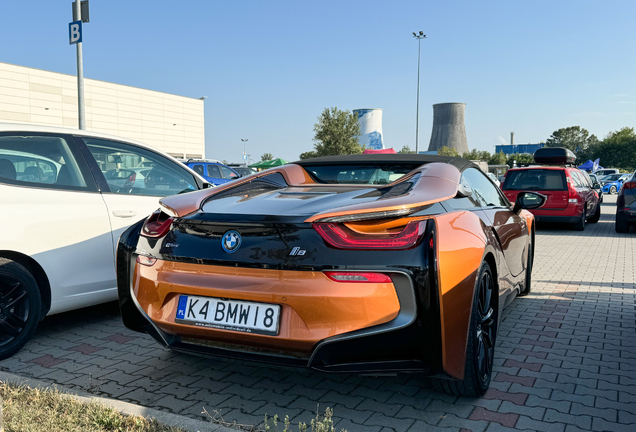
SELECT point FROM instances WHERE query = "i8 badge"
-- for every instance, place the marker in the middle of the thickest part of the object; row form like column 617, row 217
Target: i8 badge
column 231, row 241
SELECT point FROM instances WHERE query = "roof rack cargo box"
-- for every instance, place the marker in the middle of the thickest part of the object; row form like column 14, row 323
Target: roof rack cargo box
column 555, row 156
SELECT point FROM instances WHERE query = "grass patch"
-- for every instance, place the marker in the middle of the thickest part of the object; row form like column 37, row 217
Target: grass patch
column 27, row 409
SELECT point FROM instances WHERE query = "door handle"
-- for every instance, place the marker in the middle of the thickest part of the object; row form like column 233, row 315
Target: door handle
column 124, row 213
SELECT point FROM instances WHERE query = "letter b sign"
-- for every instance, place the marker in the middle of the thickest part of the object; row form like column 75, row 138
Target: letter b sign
column 74, row 32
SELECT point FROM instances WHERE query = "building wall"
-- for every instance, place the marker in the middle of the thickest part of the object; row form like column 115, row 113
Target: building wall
column 170, row 123
column 518, row 148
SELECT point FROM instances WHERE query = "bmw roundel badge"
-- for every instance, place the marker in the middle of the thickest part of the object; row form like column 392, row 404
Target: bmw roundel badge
column 231, row 241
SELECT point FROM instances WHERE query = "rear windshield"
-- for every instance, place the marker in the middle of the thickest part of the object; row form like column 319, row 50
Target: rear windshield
column 359, row 173
column 535, row 179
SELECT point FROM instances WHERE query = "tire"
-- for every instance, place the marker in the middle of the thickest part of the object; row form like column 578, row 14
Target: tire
column 621, row 226
column 597, row 214
column 481, row 344
column 612, row 190
column 20, row 307
column 528, row 282
column 580, row 225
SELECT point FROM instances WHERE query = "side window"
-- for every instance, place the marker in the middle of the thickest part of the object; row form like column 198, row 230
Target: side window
column 484, row 192
column 133, row 170
column 213, row 171
column 576, row 179
column 228, row 173
column 45, row 161
column 198, row 169
column 468, row 203
column 586, row 178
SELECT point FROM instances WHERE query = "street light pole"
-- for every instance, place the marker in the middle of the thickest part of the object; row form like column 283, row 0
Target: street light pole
column 80, row 73
column 244, row 155
column 419, row 38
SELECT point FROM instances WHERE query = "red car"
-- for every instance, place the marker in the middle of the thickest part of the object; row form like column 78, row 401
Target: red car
column 570, row 195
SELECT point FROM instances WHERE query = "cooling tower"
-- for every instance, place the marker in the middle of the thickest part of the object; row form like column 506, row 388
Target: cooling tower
column 370, row 120
column 448, row 127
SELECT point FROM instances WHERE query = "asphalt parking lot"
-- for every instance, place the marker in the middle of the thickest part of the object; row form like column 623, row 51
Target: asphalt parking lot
column 565, row 359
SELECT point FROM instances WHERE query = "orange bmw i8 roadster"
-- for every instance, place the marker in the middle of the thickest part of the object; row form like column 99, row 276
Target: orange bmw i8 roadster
column 369, row 264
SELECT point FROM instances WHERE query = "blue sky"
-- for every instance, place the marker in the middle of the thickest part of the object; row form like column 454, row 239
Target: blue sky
column 270, row 67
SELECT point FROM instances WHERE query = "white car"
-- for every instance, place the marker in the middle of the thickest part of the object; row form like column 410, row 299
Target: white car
column 62, row 212
column 494, row 179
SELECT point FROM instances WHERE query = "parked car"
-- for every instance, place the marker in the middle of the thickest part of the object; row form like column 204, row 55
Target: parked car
column 612, row 183
column 571, row 197
column 596, row 184
column 213, row 171
column 494, row 179
column 64, row 205
column 606, row 171
column 626, row 206
column 244, row 171
column 321, row 263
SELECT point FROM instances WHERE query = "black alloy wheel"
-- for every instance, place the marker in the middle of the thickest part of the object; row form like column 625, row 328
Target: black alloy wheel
column 481, row 341
column 528, row 282
column 486, row 329
column 20, row 306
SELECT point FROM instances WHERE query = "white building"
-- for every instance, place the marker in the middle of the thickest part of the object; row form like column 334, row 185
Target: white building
column 171, row 123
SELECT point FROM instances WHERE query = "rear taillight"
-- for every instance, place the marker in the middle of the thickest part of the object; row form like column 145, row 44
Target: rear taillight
column 358, row 277
column 341, row 237
column 146, row 260
column 629, row 185
column 573, row 195
column 157, row 225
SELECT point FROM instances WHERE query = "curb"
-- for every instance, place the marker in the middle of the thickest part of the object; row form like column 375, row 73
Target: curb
column 127, row 408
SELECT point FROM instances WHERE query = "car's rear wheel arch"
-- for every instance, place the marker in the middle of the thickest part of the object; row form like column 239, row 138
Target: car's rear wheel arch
column 492, row 262
column 38, row 274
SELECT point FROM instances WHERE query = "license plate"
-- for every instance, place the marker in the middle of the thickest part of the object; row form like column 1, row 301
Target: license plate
column 237, row 315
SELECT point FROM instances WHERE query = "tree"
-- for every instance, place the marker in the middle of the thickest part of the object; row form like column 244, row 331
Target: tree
column 574, row 138
column 497, row 159
column 618, row 149
column 446, row 151
column 405, row 150
column 267, row 157
column 475, row 154
column 336, row 133
column 519, row 158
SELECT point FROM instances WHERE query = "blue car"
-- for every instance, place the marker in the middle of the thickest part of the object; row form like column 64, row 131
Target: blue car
column 213, row 171
column 612, row 183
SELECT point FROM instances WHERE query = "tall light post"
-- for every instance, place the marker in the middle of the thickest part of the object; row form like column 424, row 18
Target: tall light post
column 419, row 38
column 244, row 155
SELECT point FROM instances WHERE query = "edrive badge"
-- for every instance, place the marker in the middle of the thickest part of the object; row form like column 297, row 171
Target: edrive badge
column 231, row 241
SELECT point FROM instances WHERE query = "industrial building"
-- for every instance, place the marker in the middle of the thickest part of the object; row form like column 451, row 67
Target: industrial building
column 518, row 148
column 170, row 123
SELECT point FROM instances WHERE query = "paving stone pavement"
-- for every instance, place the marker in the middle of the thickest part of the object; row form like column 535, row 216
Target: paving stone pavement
column 565, row 359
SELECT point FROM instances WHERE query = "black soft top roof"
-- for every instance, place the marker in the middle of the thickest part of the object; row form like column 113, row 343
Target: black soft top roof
column 421, row 159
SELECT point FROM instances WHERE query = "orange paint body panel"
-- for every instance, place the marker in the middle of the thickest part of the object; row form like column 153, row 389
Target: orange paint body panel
column 313, row 307
column 460, row 249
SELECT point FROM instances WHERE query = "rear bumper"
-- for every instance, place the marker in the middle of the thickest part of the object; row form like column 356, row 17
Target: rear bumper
column 626, row 216
column 558, row 219
column 406, row 338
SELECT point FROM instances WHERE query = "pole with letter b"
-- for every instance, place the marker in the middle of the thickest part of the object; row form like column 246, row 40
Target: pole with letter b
column 75, row 37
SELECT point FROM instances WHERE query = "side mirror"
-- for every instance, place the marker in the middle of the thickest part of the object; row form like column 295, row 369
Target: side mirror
column 463, row 191
column 207, row 185
column 529, row 201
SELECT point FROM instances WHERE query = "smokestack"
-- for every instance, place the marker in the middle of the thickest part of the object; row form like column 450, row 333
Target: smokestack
column 370, row 120
column 448, row 127
column 512, row 138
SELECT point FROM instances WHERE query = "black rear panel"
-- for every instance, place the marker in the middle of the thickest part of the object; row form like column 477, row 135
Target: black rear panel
column 268, row 245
